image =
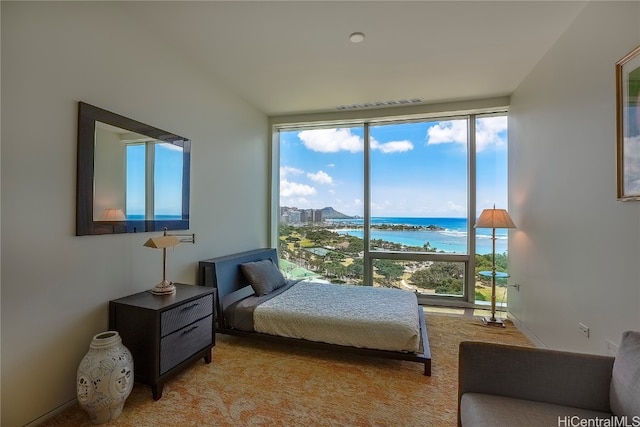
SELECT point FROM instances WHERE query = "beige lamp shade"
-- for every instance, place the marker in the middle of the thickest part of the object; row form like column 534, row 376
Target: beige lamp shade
column 113, row 215
column 495, row 218
column 162, row 242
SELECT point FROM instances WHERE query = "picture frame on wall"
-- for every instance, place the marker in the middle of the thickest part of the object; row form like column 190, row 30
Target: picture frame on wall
column 628, row 125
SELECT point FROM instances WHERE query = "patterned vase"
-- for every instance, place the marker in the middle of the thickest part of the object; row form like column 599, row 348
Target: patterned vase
column 105, row 377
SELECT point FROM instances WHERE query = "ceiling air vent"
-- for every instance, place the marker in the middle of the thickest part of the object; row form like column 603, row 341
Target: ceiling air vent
column 380, row 104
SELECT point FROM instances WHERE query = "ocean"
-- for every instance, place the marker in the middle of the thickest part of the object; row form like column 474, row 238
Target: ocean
column 159, row 217
column 451, row 235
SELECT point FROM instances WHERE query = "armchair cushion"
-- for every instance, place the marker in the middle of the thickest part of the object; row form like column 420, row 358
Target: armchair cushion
column 488, row 410
column 625, row 379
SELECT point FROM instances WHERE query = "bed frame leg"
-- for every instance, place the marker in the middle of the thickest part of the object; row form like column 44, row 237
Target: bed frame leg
column 427, row 368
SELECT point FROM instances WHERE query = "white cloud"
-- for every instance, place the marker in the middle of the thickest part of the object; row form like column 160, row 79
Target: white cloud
column 392, row 146
column 289, row 170
column 448, row 132
column 455, row 208
column 171, row 147
column 380, row 208
column 331, row 140
column 299, row 202
column 320, row 177
column 293, row 189
column 334, row 140
column 488, row 130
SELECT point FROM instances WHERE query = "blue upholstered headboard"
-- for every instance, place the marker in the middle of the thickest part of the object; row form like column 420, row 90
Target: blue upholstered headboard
column 224, row 274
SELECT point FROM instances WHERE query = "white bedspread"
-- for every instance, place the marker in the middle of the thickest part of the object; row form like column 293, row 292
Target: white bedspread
column 356, row 316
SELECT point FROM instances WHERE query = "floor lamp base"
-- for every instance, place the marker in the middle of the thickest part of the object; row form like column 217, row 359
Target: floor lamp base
column 495, row 322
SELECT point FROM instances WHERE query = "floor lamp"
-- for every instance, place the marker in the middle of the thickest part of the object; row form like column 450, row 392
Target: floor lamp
column 494, row 218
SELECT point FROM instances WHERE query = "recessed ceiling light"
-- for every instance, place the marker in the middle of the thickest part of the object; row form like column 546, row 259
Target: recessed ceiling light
column 356, row 37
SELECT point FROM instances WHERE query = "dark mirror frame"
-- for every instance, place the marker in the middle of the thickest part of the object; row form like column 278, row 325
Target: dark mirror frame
column 88, row 115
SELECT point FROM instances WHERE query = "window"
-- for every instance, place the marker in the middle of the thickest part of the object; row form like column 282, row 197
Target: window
column 136, row 185
column 392, row 202
column 491, row 188
column 321, row 186
column 154, row 181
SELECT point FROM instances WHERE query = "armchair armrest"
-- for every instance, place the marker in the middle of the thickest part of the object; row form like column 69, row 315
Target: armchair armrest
column 551, row 376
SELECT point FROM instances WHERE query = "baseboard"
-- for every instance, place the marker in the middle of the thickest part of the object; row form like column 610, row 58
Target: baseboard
column 525, row 331
column 51, row 414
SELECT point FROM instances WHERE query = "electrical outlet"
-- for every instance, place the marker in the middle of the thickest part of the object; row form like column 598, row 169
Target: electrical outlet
column 612, row 348
column 584, row 329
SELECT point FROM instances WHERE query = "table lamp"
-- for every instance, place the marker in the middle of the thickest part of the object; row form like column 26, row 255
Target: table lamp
column 114, row 216
column 163, row 242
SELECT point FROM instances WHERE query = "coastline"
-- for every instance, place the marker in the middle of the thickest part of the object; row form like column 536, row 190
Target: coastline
column 447, row 235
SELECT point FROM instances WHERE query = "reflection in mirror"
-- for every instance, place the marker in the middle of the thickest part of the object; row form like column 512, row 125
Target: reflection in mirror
column 149, row 171
column 139, row 180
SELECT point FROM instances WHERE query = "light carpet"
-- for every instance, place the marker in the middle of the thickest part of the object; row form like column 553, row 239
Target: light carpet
column 254, row 383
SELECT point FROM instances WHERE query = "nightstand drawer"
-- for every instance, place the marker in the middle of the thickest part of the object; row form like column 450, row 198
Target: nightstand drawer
column 178, row 317
column 181, row 344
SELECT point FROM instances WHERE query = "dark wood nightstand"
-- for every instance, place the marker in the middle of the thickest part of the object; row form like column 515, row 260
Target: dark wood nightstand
column 165, row 333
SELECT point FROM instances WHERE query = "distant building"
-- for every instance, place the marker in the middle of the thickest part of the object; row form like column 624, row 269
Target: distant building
column 294, row 217
column 317, row 215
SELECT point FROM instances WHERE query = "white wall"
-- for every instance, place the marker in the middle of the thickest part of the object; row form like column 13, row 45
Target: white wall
column 56, row 286
column 576, row 250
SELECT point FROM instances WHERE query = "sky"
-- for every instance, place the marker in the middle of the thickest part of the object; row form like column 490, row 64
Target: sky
column 418, row 169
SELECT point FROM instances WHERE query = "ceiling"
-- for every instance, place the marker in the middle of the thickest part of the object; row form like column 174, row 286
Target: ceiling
column 287, row 57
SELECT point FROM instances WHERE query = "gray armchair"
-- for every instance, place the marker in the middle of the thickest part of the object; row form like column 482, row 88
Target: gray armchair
column 501, row 385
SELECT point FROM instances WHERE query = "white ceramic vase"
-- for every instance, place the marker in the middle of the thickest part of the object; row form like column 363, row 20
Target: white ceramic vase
column 105, row 377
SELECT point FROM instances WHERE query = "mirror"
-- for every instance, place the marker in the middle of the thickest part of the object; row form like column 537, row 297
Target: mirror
column 132, row 177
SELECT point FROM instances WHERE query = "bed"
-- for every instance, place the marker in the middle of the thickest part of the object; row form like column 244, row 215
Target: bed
column 254, row 300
